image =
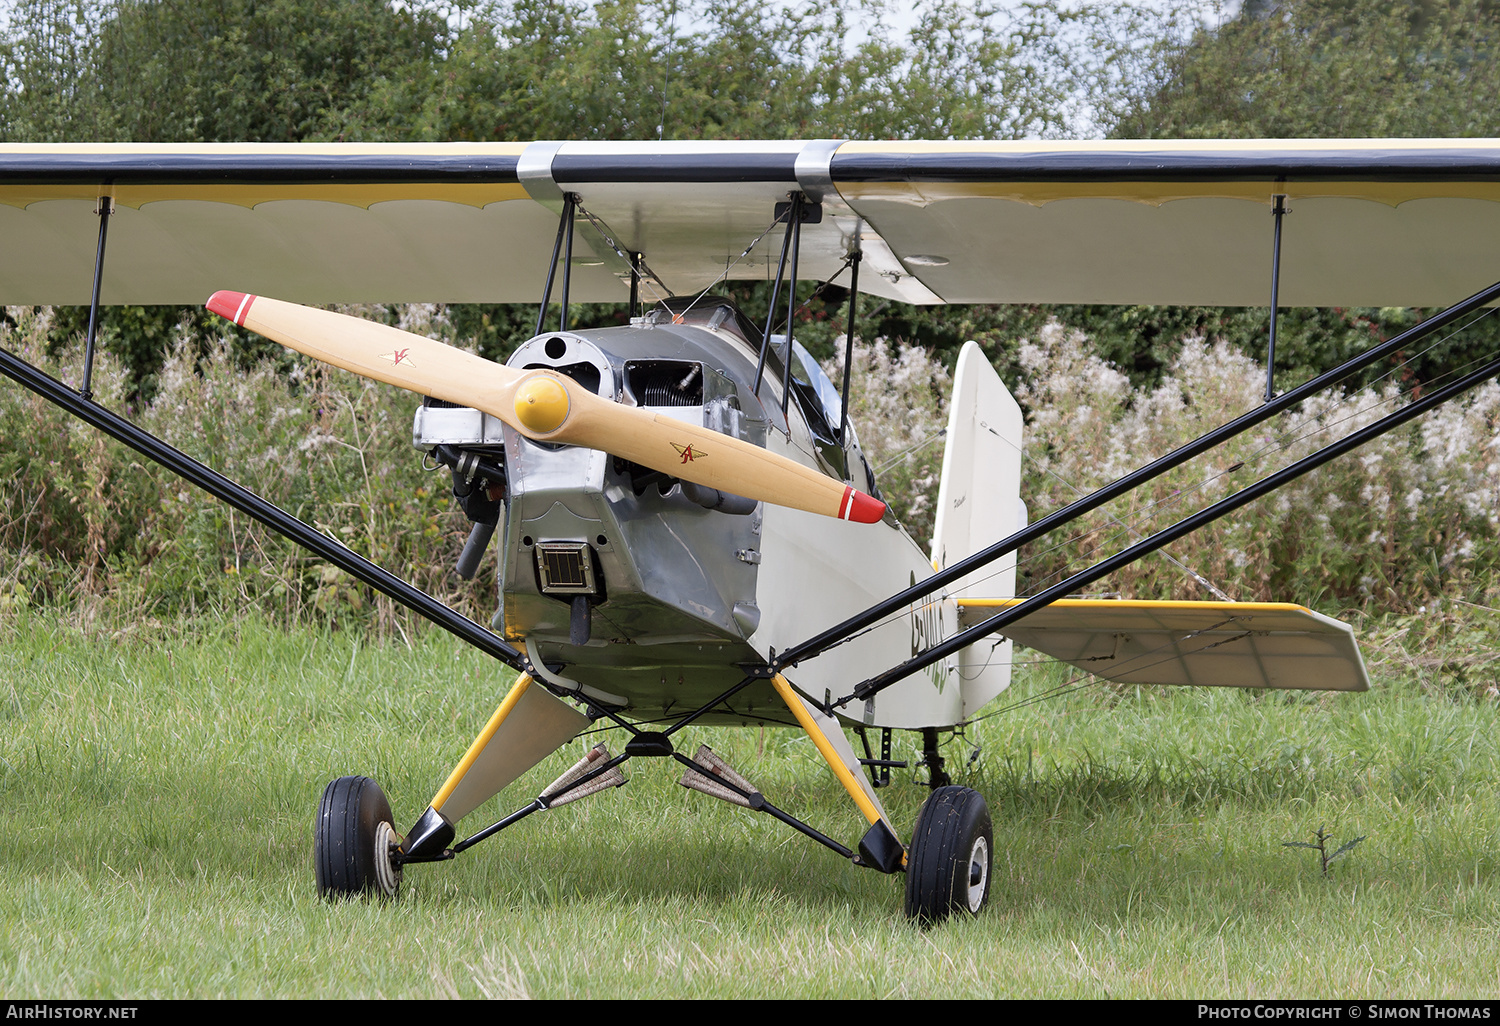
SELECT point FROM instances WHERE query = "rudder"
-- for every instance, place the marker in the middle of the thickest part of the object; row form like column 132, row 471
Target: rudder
column 979, row 503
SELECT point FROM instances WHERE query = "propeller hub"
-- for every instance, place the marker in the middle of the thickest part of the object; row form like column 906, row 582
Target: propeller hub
column 542, row 404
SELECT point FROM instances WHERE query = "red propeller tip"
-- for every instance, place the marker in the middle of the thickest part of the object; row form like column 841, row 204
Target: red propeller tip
column 861, row 508
column 231, row 305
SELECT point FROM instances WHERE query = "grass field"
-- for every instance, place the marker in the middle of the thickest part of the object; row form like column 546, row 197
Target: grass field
column 158, row 785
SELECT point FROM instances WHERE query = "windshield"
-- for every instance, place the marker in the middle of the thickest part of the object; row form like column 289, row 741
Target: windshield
column 808, row 370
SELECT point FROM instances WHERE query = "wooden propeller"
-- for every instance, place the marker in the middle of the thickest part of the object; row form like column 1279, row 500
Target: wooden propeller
column 547, row 407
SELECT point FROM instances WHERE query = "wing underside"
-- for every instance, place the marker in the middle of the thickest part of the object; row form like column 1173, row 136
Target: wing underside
column 1372, row 222
column 1210, row 644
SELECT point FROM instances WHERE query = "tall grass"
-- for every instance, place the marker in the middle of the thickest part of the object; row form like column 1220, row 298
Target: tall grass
column 157, row 792
column 1410, row 519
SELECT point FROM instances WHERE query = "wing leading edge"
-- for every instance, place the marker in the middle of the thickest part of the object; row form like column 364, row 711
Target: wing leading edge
column 1211, row 644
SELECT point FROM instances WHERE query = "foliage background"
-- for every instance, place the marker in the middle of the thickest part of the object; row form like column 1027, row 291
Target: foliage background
column 1106, row 388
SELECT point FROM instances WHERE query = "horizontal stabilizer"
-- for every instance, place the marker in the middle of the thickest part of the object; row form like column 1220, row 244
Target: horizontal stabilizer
column 1209, row 644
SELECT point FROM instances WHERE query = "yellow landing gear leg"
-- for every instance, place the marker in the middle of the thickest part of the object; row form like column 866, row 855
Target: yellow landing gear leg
column 529, row 725
column 880, row 848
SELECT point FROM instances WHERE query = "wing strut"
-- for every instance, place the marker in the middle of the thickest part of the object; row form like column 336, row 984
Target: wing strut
column 570, row 201
column 564, row 231
column 635, row 285
column 106, row 207
column 799, row 207
column 868, row 688
column 794, row 217
column 833, row 635
column 1278, row 211
column 854, row 256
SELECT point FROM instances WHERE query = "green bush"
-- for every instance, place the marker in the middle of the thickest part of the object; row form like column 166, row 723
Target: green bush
column 1408, row 518
column 87, row 520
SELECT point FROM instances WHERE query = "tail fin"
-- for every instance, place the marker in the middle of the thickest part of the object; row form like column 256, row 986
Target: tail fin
column 979, row 503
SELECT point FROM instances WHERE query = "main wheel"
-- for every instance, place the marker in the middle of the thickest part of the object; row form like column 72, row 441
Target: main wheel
column 948, row 866
column 352, row 841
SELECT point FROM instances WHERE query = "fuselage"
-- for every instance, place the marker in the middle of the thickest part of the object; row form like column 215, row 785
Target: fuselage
column 683, row 588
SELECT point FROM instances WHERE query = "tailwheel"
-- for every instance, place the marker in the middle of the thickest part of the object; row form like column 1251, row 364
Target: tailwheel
column 353, row 839
column 948, row 867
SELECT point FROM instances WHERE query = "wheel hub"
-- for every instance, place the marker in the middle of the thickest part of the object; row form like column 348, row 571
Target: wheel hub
column 387, row 872
column 979, row 873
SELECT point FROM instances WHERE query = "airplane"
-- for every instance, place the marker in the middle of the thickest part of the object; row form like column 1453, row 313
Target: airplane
column 689, row 531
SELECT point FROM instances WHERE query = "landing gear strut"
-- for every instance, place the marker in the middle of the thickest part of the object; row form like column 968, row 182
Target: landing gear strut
column 936, row 776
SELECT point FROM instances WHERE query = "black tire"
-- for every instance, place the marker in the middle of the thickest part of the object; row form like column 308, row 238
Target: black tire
column 348, row 839
column 949, row 865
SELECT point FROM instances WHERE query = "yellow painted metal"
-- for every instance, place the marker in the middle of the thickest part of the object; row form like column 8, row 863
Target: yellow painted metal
column 506, row 705
column 358, row 194
column 845, row 777
column 1159, row 147
column 1155, row 191
column 260, row 149
column 1242, row 607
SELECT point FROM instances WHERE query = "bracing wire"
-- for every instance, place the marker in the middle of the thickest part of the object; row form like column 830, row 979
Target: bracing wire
column 898, row 457
column 608, row 235
column 666, row 82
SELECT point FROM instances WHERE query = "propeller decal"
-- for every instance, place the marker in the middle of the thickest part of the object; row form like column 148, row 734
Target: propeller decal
column 688, row 453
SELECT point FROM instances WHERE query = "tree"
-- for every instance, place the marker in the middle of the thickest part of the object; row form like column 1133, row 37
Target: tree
column 1330, row 69
column 288, row 70
column 1311, row 69
column 645, row 69
column 206, row 70
column 43, row 61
